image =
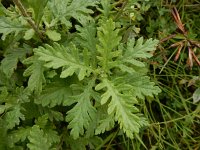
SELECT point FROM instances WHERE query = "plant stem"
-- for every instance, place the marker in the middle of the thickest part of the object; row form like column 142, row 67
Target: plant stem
column 25, row 14
column 121, row 10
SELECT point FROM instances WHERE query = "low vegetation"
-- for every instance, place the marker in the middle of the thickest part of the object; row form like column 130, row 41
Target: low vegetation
column 99, row 74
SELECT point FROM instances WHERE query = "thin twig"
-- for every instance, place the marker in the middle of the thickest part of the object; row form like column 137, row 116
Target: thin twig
column 172, row 121
column 25, row 14
column 167, row 38
column 121, row 10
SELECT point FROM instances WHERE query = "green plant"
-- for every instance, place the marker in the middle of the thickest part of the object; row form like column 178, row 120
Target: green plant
column 67, row 77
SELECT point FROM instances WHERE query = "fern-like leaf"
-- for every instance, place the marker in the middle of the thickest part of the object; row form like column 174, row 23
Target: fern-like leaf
column 42, row 121
column 12, row 117
column 38, row 140
column 54, row 94
column 82, row 113
column 82, row 142
column 106, row 9
column 66, row 57
column 105, row 124
column 142, row 86
column 8, row 26
column 52, row 136
column 107, row 47
column 63, row 10
column 87, row 36
column 22, row 95
column 35, row 71
column 135, row 51
column 9, row 63
column 55, row 115
column 122, row 106
column 87, row 39
column 20, row 134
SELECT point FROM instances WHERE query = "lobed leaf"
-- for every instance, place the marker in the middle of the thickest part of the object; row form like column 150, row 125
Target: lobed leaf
column 55, row 115
column 63, row 10
column 36, row 73
column 9, row 63
column 66, row 57
column 54, row 94
column 80, row 116
column 106, row 9
column 87, row 36
column 38, row 140
column 135, row 51
column 52, row 136
column 20, row 134
column 107, row 47
column 42, row 121
column 13, row 117
column 142, row 86
column 105, row 124
column 22, row 95
column 8, row 26
column 122, row 106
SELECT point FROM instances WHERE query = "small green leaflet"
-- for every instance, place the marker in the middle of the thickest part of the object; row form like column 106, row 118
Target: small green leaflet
column 106, row 9
column 2, row 109
column 196, row 95
column 2, row 10
column 42, row 121
column 134, row 51
column 105, row 124
column 12, row 117
column 54, row 94
column 140, row 49
column 22, row 95
column 29, row 34
column 54, row 115
column 63, row 10
column 38, row 7
column 87, row 36
column 34, row 134
column 3, row 94
column 9, row 63
column 141, row 85
column 68, row 58
column 87, row 39
column 52, row 136
column 35, row 71
column 19, row 135
column 38, row 140
column 82, row 142
column 53, row 35
column 8, row 26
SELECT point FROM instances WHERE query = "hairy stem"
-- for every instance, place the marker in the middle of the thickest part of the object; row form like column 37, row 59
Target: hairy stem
column 25, row 14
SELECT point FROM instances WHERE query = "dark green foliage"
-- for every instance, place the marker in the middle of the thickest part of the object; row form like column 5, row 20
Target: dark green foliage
column 75, row 74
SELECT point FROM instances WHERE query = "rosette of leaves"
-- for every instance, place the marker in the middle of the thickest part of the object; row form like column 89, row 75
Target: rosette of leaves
column 112, row 79
column 85, row 87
